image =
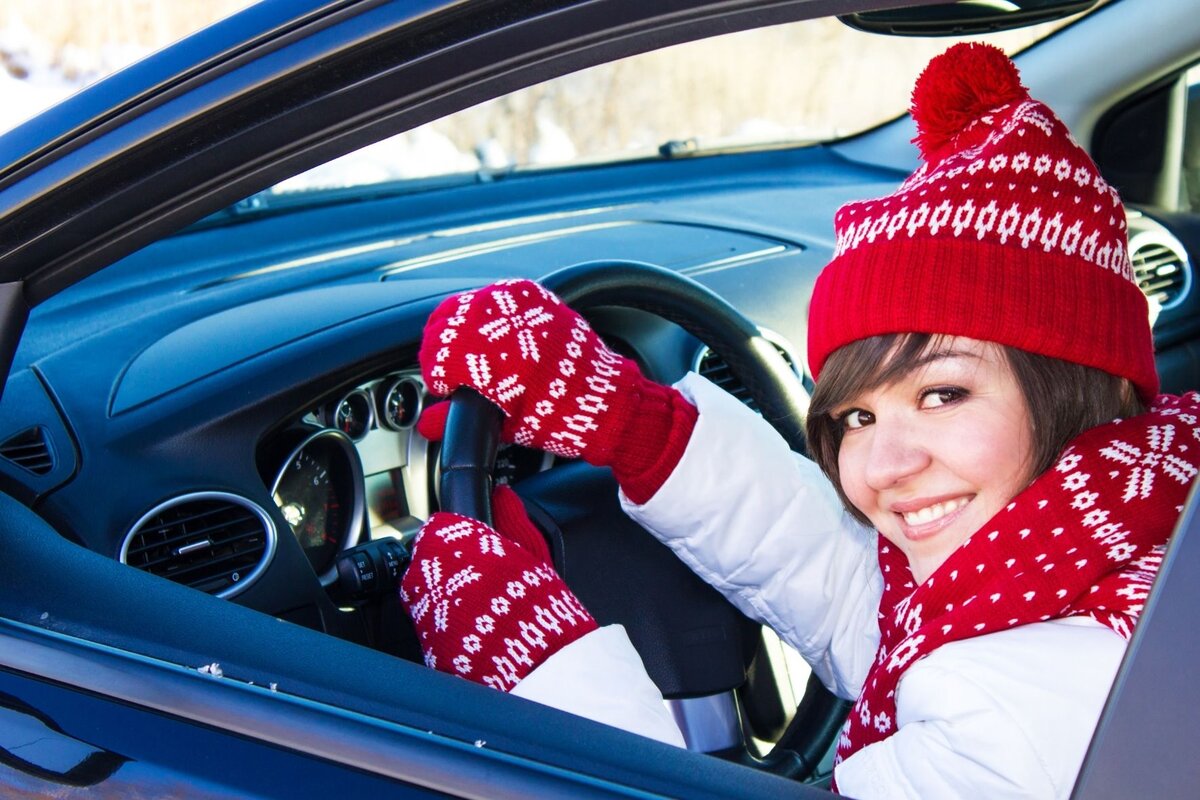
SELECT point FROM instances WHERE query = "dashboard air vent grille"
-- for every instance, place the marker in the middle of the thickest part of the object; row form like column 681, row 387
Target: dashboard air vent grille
column 214, row 542
column 29, row 449
column 1160, row 271
column 712, row 366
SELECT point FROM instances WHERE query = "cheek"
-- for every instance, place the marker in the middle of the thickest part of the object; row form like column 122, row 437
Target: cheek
column 999, row 457
column 1019, row 463
column 852, row 474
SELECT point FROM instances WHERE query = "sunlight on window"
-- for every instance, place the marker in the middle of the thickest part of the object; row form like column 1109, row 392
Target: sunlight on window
column 49, row 49
column 789, row 84
column 800, row 83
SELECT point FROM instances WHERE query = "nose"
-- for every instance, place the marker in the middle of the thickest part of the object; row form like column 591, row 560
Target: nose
column 898, row 451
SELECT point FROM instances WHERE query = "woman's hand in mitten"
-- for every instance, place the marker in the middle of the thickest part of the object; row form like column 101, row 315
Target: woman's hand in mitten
column 486, row 603
column 560, row 387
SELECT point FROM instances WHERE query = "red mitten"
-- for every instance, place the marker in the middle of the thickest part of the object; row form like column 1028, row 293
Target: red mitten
column 508, row 512
column 560, row 387
column 487, row 605
column 432, row 422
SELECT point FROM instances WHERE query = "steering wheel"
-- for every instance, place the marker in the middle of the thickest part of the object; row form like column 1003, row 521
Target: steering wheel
column 692, row 641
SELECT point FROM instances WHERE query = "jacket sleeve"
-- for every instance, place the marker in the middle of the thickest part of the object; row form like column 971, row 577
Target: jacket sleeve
column 1007, row 715
column 963, row 746
column 765, row 527
column 601, row 677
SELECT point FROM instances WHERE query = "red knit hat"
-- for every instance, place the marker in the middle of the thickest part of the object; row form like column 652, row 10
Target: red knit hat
column 1006, row 233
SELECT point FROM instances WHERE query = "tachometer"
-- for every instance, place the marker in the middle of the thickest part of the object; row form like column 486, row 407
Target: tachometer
column 319, row 492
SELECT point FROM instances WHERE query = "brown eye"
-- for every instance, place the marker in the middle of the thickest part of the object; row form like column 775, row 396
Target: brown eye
column 942, row 396
column 856, row 418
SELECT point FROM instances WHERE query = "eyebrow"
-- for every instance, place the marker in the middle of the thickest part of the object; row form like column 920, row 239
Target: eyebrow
column 939, row 354
column 942, row 355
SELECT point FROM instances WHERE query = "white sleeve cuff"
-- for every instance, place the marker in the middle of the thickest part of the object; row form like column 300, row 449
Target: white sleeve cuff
column 601, row 677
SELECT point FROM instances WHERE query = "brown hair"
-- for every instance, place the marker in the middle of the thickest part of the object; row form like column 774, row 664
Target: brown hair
column 1064, row 399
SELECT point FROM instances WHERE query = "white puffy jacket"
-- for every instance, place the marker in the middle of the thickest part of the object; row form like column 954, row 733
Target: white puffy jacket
column 1004, row 715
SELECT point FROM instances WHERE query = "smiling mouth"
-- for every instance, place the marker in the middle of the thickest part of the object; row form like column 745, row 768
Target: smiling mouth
column 933, row 513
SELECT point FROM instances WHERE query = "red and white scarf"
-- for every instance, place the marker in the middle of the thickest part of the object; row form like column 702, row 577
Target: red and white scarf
column 1085, row 539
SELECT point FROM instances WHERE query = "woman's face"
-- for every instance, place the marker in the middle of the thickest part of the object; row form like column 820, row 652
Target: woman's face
column 933, row 456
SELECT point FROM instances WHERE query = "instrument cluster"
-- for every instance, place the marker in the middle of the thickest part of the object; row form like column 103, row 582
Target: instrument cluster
column 354, row 468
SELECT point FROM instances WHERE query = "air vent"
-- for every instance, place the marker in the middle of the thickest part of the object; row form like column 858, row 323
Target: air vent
column 1160, row 267
column 215, row 542
column 712, row 366
column 30, row 450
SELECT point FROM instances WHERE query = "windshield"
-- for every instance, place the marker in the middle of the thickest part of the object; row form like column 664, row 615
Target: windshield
column 793, row 84
column 800, row 83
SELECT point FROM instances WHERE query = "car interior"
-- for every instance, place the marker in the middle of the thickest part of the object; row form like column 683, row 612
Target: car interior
column 208, row 455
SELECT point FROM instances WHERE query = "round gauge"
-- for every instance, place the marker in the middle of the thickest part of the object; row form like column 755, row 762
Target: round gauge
column 401, row 403
column 319, row 492
column 352, row 415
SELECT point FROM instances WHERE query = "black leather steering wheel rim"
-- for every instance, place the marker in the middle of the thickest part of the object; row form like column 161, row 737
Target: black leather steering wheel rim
column 468, row 455
column 473, row 425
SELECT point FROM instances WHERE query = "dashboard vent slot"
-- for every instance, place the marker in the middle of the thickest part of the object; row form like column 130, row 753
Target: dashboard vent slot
column 1161, row 271
column 714, row 368
column 30, row 450
column 215, row 542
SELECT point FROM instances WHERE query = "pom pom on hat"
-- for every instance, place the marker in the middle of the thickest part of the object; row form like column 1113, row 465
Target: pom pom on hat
column 956, row 89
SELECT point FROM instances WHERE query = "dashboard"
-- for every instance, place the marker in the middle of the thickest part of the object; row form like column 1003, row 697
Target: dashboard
column 247, row 415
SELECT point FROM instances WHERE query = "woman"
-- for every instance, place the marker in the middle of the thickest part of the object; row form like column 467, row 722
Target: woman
column 985, row 402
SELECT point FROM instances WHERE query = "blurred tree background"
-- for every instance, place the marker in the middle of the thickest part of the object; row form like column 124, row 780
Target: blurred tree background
column 808, row 81
column 84, row 39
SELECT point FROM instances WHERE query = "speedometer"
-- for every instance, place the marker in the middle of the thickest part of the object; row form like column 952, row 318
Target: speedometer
column 318, row 490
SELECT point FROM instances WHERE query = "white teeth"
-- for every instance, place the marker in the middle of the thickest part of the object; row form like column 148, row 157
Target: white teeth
column 935, row 511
